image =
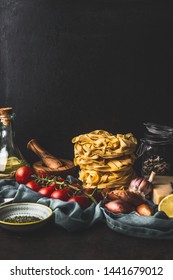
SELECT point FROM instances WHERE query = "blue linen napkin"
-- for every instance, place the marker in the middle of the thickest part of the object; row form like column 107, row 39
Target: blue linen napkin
column 158, row 226
column 68, row 215
column 71, row 217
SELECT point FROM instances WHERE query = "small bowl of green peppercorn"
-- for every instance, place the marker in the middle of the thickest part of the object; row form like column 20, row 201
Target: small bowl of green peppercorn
column 24, row 216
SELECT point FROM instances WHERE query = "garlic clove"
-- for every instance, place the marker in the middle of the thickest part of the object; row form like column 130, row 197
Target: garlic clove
column 141, row 185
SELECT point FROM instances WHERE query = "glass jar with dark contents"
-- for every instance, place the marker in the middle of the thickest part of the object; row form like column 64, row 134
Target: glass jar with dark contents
column 156, row 150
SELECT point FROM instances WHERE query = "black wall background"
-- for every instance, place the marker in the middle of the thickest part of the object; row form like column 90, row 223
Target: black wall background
column 69, row 67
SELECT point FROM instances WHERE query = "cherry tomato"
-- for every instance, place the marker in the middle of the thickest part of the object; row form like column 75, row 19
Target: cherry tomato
column 73, row 191
column 82, row 200
column 43, row 174
column 60, row 194
column 70, row 191
column 77, row 185
column 53, row 184
column 46, row 191
column 96, row 194
column 61, row 180
column 23, row 174
column 33, row 185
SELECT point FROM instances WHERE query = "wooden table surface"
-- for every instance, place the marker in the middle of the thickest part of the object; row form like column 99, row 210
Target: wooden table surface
column 99, row 242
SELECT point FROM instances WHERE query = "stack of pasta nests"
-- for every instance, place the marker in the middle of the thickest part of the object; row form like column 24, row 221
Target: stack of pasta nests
column 105, row 160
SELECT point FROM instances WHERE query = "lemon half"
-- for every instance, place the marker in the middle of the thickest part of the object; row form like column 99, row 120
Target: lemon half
column 166, row 205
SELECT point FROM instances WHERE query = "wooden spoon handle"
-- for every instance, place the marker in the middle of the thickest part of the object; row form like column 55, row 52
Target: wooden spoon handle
column 48, row 159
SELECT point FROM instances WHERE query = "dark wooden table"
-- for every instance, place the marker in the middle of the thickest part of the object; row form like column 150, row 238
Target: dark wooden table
column 96, row 243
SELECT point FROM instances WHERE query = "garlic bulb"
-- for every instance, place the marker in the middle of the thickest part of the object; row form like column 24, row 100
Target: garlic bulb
column 142, row 185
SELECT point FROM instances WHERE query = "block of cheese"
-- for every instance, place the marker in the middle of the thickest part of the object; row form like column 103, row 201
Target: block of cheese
column 160, row 191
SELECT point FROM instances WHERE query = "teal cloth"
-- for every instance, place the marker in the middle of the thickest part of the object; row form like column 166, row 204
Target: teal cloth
column 66, row 214
column 72, row 218
column 158, row 226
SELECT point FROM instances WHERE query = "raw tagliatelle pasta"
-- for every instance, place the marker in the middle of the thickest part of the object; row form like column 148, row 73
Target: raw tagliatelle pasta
column 105, row 160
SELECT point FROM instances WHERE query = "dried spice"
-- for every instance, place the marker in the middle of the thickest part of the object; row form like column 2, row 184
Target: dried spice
column 22, row 219
column 157, row 164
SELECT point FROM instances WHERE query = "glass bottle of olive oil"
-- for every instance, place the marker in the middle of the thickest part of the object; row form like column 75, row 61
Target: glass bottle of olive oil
column 10, row 156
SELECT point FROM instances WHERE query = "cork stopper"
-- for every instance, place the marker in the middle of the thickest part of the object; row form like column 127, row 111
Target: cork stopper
column 5, row 114
column 6, row 111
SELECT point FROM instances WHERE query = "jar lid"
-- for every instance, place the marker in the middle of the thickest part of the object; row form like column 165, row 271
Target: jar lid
column 159, row 130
